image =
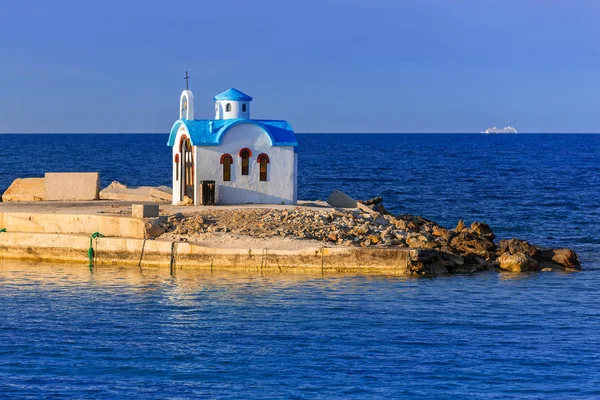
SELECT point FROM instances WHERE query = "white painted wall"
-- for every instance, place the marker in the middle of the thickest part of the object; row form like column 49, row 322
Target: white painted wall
column 236, row 109
column 282, row 170
column 280, row 186
column 177, row 178
column 190, row 101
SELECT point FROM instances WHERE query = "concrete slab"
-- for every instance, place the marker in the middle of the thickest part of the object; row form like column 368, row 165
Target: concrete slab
column 26, row 189
column 121, row 192
column 113, row 207
column 86, row 224
column 72, row 186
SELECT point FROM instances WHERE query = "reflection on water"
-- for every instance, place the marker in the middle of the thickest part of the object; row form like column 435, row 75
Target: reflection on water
column 122, row 332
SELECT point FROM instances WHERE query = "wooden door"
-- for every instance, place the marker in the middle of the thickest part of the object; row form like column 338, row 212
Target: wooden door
column 187, row 157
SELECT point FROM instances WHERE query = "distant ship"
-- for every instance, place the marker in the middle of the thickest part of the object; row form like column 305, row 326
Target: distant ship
column 507, row 129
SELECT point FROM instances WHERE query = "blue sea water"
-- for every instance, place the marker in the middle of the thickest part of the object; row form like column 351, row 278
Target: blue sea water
column 122, row 332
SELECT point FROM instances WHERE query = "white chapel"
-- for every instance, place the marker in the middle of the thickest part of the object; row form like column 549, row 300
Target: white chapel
column 232, row 159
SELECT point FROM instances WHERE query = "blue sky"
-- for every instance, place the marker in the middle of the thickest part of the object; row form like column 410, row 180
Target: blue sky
column 324, row 65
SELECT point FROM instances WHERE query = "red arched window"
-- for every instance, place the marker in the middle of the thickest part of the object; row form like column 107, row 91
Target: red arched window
column 263, row 160
column 245, row 155
column 226, row 160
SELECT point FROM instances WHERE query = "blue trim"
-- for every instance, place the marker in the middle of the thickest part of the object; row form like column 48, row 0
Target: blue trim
column 233, row 94
column 210, row 132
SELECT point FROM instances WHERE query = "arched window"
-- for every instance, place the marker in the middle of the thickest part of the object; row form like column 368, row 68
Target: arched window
column 228, row 107
column 245, row 155
column 263, row 160
column 244, row 107
column 226, row 160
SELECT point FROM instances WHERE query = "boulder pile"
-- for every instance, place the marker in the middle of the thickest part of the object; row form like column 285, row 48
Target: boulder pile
column 434, row 249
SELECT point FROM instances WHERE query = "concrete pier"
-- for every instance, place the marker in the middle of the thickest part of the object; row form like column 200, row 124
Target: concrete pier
column 58, row 233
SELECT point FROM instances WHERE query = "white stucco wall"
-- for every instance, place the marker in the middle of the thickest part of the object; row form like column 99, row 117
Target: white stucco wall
column 282, row 170
column 236, row 109
column 177, row 178
column 280, row 186
column 190, row 101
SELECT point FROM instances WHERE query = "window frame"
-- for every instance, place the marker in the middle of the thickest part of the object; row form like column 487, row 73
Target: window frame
column 227, row 162
column 245, row 155
column 263, row 160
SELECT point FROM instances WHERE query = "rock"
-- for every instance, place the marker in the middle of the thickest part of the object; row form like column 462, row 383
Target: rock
column 416, row 240
column 382, row 221
column 401, row 224
column 460, row 226
column 381, row 209
column 163, row 193
column 424, row 255
column 514, row 246
column 367, row 209
column 71, row 186
column 483, row 229
column 475, row 259
column 458, row 260
column 467, row 243
column 340, row 199
column 412, row 226
column 518, row 262
column 435, row 269
column 373, row 201
column 25, row 189
column 154, row 228
column 440, row 232
column 119, row 191
column 374, row 239
column 116, row 185
column 187, row 201
column 565, row 257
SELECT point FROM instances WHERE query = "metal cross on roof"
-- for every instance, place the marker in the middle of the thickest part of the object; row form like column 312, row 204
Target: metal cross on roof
column 186, row 80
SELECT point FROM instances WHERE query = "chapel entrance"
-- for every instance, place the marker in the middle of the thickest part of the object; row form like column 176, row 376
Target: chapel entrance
column 187, row 157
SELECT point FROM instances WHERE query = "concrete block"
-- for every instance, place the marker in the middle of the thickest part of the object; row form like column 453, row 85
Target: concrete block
column 119, row 191
column 163, row 193
column 72, row 186
column 341, row 200
column 144, row 210
column 27, row 189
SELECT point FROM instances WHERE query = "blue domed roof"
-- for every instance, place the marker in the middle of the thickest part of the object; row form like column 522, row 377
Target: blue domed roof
column 208, row 132
column 234, row 95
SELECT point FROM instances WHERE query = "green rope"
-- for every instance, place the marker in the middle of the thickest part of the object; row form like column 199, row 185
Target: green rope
column 91, row 249
column 2, row 230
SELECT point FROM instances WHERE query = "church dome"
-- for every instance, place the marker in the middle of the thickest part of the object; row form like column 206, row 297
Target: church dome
column 232, row 104
column 233, row 95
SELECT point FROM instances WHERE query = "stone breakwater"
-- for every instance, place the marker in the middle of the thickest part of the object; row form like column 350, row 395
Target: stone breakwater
column 433, row 248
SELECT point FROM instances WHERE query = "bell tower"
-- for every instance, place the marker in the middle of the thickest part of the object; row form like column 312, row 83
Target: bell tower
column 186, row 101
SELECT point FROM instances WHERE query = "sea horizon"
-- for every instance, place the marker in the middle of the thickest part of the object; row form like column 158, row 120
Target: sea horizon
column 316, row 133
